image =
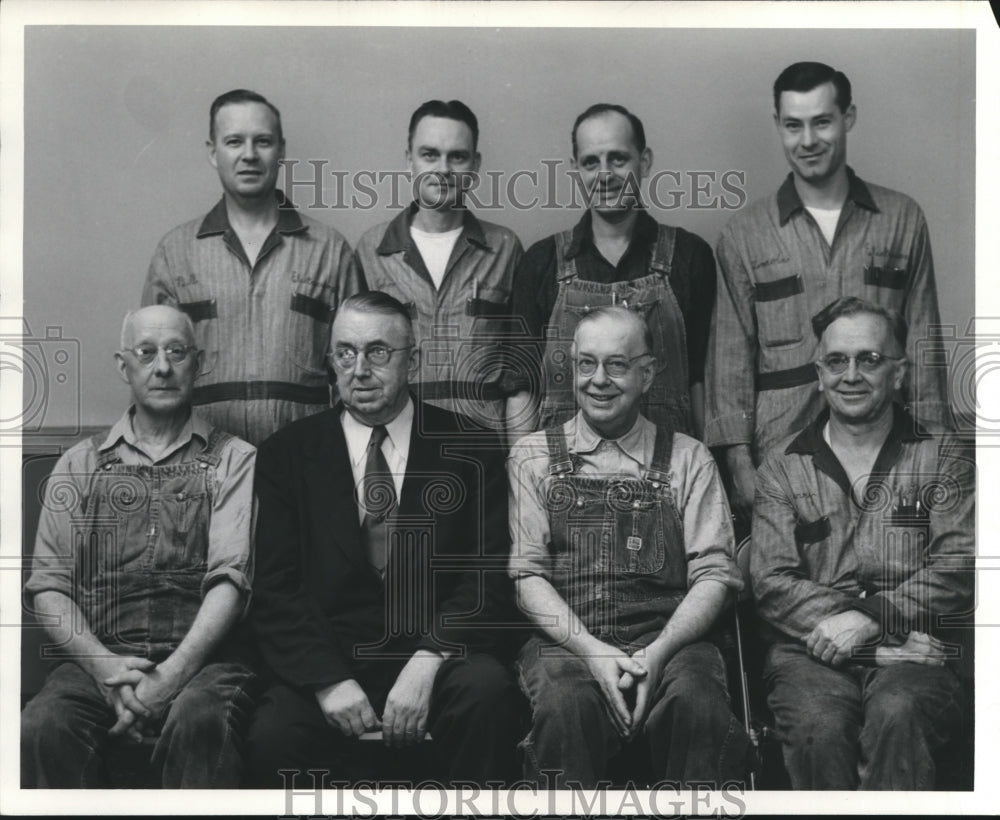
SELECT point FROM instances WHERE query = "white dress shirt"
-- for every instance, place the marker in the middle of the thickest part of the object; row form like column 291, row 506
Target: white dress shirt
column 395, row 448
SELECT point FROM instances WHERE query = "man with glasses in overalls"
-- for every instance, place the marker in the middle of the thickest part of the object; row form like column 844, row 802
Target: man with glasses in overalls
column 616, row 254
column 141, row 568
column 622, row 554
column 863, row 549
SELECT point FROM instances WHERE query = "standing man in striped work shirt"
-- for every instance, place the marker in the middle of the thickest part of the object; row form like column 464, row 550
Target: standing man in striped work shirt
column 823, row 235
column 259, row 280
column 451, row 270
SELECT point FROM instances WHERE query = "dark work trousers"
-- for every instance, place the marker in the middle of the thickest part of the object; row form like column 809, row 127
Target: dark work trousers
column 856, row 727
column 64, row 731
column 475, row 722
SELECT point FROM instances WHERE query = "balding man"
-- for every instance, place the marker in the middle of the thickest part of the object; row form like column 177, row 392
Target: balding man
column 141, row 568
column 623, row 557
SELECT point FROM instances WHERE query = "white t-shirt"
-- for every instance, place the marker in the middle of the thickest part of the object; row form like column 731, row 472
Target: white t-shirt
column 827, row 221
column 435, row 249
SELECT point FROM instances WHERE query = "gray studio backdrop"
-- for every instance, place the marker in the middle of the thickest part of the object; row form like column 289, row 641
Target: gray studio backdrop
column 116, row 119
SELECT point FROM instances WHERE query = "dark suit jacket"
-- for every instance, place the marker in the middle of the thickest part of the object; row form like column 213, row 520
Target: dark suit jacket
column 317, row 602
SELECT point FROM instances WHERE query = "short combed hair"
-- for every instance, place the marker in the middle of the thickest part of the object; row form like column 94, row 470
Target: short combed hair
column 618, row 314
column 802, row 77
column 853, row 306
column 638, row 132
column 240, row 95
column 377, row 301
column 451, row 110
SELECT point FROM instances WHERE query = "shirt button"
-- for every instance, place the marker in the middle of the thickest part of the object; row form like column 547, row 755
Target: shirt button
column 656, row 485
column 579, row 502
column 181, row 496
column 635, row 504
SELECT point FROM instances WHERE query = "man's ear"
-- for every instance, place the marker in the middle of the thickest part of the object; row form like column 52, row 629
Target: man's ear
column 212, row 159
column 648, row 373
column 646, row 161
column 850, row 117
column 819, row 376
column 120, row 365
column 414, row 361
column 902, row 368
column 199, row 357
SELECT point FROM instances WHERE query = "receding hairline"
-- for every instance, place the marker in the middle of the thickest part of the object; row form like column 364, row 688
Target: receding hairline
column 130, row 317
column 376, row 310
column 616, row 314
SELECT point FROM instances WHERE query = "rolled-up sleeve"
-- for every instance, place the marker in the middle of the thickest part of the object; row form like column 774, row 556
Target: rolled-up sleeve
column 230, row 532
column 52, row 564
column 708, row 527
column 527, row 469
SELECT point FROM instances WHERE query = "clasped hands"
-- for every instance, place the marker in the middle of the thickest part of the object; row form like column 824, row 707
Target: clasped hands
column 623, row 677
column 833, row 639
column 140, row 692
column 404, row 720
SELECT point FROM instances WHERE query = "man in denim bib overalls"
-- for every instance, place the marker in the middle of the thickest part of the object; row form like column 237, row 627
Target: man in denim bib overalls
column 616, row 255
column 622, row 551
column 141, row 567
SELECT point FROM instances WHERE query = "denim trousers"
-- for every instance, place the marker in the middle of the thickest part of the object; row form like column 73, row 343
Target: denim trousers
column 856, row 727
column 64, row 731
column 691, row 734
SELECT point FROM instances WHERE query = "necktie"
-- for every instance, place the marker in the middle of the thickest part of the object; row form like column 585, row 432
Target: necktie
column 379, row 500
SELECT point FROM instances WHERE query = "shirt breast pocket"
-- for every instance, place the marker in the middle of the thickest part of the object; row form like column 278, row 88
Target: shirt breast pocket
column 185, row 510
column 639, row 539
column 886, row 284
column 812, row 532
column 204, row 314
column 310, row 318
column 779, row 307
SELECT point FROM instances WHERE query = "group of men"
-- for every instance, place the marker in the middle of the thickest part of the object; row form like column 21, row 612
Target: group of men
column 302, row 531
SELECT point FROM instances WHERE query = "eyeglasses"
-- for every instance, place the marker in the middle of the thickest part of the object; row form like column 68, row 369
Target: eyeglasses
column 377, row 355
column 615, row 368
column 176, row 353
column 868, row 361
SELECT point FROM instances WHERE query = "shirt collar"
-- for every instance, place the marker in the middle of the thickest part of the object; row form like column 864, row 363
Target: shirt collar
column 810, row 441
column 217, row 219
column 790, row 203
column 358, row 435
column 397, row 236
column 122, row 430
column 585, row 439
column 646, row 231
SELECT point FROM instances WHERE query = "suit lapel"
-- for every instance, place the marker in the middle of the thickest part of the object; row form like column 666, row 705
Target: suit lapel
column 420, row 464
column 330, row 484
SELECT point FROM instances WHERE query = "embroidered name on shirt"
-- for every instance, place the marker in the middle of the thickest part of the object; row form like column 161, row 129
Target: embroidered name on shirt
column 766, row 263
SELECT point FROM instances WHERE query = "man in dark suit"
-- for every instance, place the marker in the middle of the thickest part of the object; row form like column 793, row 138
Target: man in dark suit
column 379, row 586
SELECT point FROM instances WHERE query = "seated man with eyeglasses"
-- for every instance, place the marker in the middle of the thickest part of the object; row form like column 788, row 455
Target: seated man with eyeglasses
column 141, row 570
column 863, row 544
column 381, row 594
column 622, row 555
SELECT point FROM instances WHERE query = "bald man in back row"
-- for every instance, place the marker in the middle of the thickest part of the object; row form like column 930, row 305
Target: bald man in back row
column 141, row 570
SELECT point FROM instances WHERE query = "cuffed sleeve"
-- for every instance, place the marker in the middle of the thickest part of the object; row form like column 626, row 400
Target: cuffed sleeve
column 708, row 529
column 527, row 468
column 230, row 532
